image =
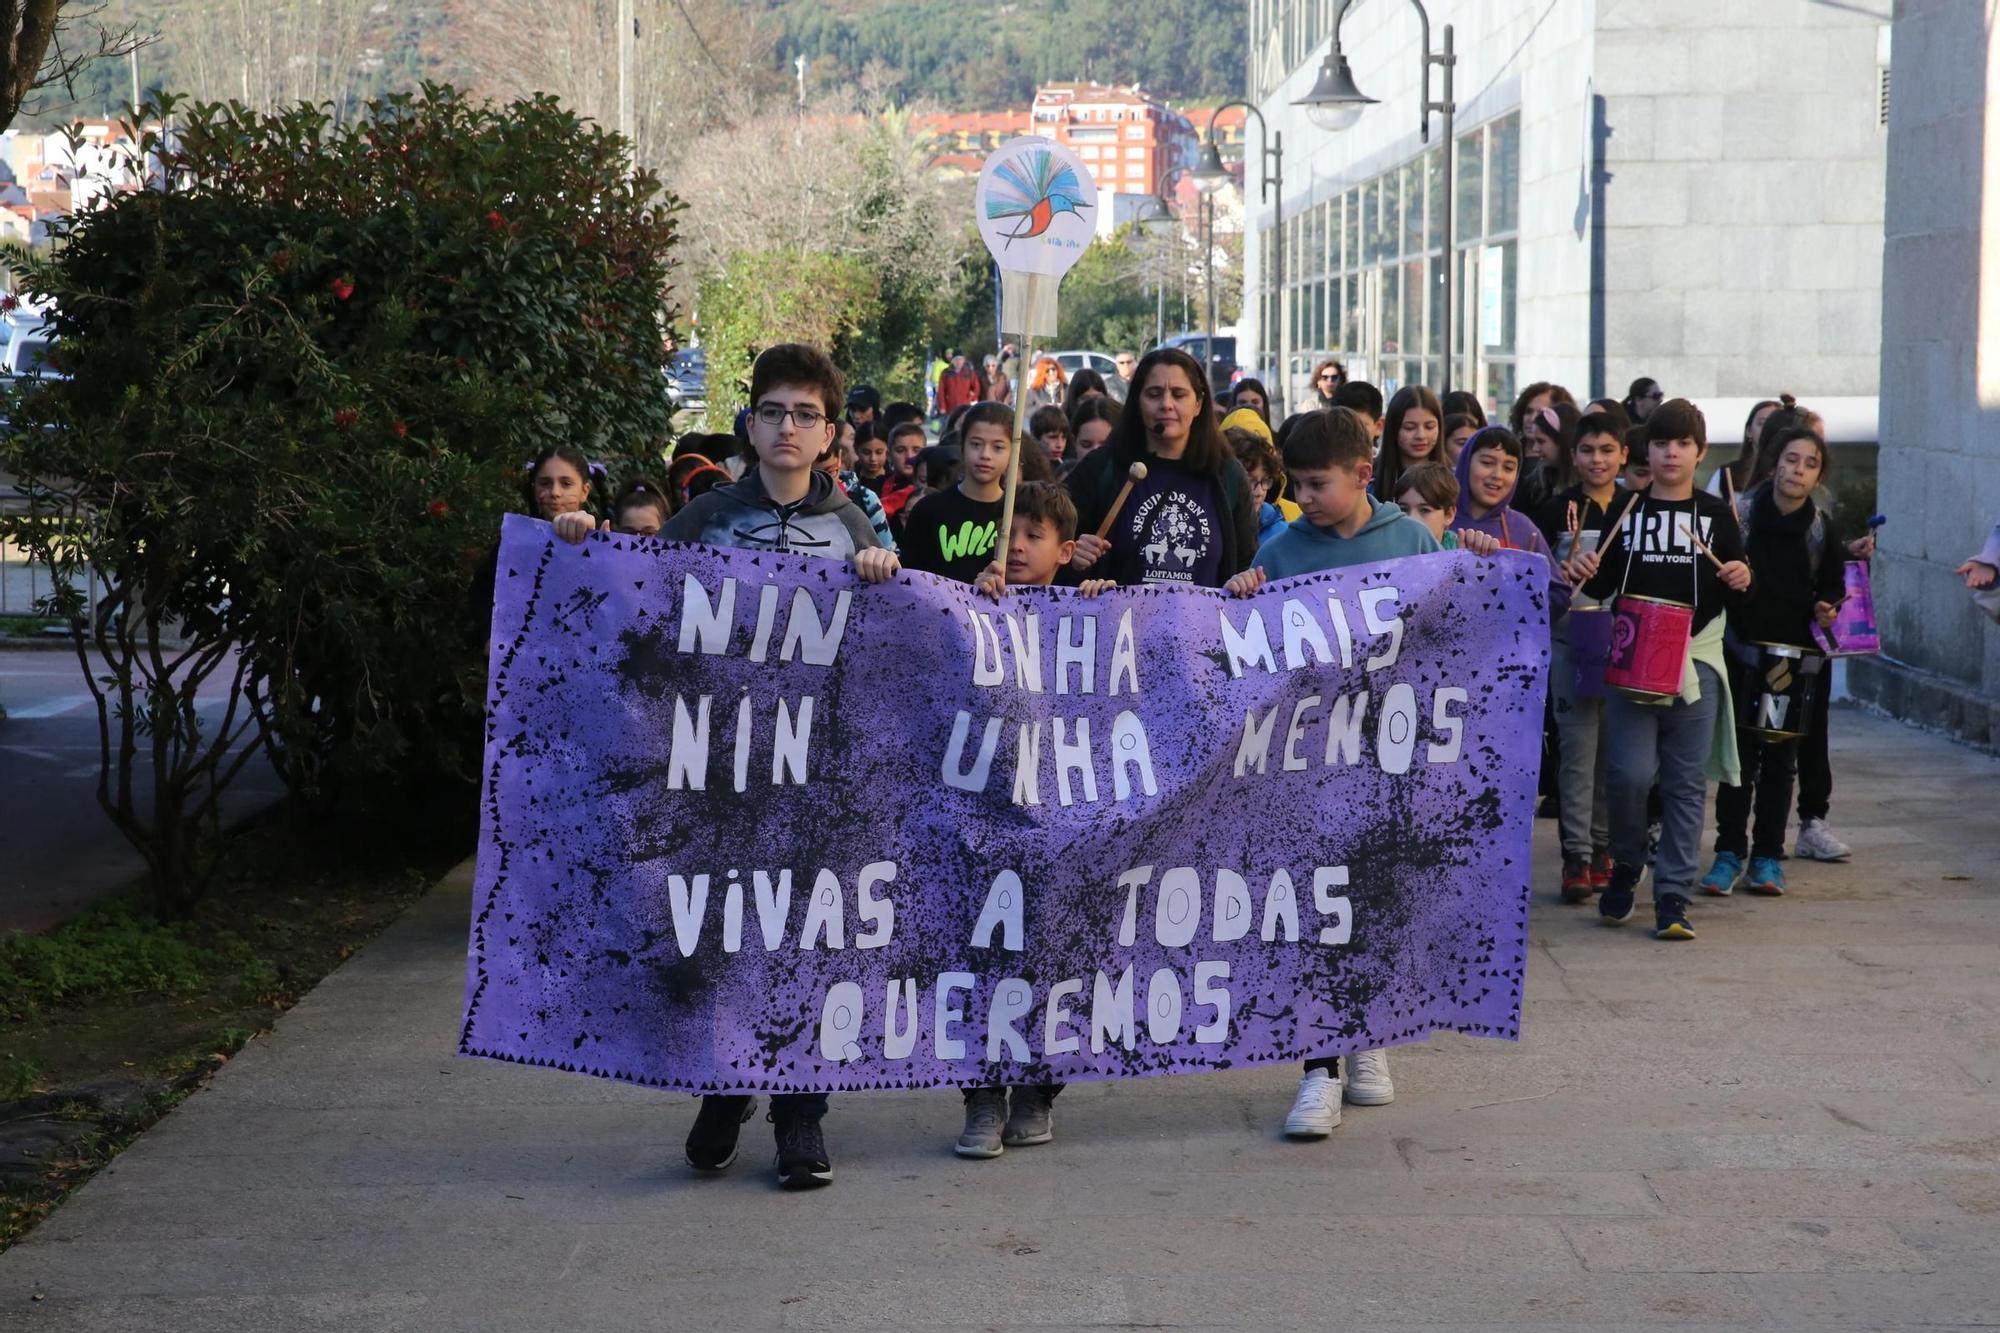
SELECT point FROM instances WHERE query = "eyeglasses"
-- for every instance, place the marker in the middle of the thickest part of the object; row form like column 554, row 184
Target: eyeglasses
column 1329, row 376
column 804, row 417
column 1655, row 396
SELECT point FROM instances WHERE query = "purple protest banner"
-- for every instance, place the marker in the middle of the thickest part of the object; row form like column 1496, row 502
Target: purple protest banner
column 748, row 824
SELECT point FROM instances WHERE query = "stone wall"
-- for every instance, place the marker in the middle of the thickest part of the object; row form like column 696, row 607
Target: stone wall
column 1940, row 456
column 1745, row 202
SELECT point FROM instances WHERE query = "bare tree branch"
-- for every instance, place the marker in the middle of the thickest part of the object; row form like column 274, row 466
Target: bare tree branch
column 46, row 44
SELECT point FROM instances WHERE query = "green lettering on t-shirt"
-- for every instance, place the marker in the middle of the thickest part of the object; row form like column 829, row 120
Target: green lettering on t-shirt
column 969, row 541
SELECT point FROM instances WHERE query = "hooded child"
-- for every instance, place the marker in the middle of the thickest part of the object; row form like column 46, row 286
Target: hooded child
column 1488, row 472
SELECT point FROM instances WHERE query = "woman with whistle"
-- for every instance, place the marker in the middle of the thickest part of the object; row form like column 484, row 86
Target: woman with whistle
column 1165, row 502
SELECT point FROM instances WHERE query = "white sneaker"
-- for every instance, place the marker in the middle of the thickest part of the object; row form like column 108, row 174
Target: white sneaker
column 1817, row 843
column 1316, row 1112
column 1368, row 1081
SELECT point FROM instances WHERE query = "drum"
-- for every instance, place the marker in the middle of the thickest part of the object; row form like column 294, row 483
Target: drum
column 1853, row 633
column 1649, row 648
column 1777, row 706
column 1589, row 648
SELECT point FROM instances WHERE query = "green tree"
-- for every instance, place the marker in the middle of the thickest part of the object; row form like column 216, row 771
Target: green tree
column 782, row 296
column 1104, row 304
column 303, row 373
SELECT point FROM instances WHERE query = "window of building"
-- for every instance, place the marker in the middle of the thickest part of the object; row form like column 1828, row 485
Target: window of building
column 1135, row 131
column 1366, row 271
column 1135, row 154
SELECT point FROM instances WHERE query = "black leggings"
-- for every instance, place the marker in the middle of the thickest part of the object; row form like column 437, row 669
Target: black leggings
column 1815, row 770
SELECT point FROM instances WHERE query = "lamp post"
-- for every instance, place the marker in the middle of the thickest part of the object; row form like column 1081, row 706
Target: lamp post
column 1210, row 177
column 1208, row 256
column 1161, row 220
column 1334, row 104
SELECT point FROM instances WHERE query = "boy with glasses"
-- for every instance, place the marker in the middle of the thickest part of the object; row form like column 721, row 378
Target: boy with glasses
column 782, row 504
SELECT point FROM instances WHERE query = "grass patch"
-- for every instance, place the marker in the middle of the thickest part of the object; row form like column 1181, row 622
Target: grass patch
column 110, row 1020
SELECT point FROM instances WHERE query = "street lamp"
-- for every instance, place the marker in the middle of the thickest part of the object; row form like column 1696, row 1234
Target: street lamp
column 1160, row 221
column 1335, row 104
column 1210, row 177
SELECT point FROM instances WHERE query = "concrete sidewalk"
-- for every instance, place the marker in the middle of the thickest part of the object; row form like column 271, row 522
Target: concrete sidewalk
column 1792, row 1123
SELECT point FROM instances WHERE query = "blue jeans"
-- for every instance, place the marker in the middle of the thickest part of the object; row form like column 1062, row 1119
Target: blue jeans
column 1668, row 743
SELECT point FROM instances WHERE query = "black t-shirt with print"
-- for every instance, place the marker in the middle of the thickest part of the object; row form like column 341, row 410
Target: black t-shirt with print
column 1654, row 558
column 946, row 533
column 1170, row 530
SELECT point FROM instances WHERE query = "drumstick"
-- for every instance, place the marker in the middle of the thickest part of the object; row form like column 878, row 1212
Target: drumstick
column 1687, row 530
column 1729, row 487
column 1575, row 525
column 1617, row 524
column 1133, row 476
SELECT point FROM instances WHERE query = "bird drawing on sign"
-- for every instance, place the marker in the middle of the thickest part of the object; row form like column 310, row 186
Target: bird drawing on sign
column 1035, row 188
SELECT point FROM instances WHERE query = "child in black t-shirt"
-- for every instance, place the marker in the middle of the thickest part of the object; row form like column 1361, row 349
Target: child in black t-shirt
column 954, row 532
column 1681, row 740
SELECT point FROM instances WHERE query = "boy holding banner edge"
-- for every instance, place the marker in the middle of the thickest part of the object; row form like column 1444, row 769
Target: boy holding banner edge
column 782, row 504
column 1329, row 456
column 1039, row 545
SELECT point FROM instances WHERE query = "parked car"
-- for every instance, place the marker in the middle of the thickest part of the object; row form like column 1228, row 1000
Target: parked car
column 1071, row 362
column 26, row 352
column 1220, row 358
column 687, row 381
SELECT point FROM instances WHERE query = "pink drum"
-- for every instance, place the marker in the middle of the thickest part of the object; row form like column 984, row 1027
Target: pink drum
column 1853, row 633
column 1649, row 648
column 1589, row 649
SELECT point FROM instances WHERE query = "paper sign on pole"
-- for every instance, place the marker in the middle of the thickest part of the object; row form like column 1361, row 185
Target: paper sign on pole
column 1036, row 209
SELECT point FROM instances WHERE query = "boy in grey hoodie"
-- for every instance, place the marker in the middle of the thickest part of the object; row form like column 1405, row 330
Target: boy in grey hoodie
column 1329, row 456
column 781, row 504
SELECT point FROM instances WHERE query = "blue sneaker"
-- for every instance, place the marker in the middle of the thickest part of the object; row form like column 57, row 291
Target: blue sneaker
column 1615, row 904
column 1723, row 877
column 1670, row 918
column 1767, row 877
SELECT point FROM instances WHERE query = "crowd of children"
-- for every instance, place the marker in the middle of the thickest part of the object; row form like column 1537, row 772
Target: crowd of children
column 1605, row 495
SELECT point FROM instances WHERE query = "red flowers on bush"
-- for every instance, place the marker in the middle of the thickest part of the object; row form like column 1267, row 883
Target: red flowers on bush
column 9, row 301
column 342, row 289
column 402, row 431
column 346, row 417
column 439, row 509
column 494, row 222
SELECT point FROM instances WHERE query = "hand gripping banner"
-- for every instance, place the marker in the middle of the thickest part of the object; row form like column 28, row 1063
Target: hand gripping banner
column 750, row 825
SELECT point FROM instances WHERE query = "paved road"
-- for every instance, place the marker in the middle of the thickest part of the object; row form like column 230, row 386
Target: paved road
column 1792, row 1124
column 58, row 849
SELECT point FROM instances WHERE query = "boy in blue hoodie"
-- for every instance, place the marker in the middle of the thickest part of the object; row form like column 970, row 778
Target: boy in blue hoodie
column 1330, row 458
column 1327, row 457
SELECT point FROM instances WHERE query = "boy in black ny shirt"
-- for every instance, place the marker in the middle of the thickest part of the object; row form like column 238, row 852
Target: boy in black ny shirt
column 955, row 532
column 1681, row 741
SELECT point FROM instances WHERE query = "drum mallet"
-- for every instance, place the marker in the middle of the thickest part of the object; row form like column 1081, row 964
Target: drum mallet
column 1133, row 476
column 1618, row 523
column 1687, row 529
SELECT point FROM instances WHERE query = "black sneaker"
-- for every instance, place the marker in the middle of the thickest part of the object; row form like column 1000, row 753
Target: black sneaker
column 802, row 1163
column 711, row 1144
column 1615, row 904
column 1670, row 918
